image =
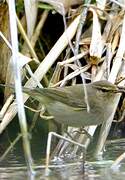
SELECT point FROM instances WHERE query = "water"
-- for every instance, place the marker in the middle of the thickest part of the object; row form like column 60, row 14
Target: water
column 14, row 167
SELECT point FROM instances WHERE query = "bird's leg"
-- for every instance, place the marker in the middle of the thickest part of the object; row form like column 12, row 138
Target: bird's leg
column 84, row 131
column 41, row 111
column 62, row 145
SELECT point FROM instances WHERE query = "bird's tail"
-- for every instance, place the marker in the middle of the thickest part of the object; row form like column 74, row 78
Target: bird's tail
column 37, row 93
column 12, row 86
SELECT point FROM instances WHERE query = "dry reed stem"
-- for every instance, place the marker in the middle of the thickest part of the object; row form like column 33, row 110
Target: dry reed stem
column 43, row 68
column 112, row 77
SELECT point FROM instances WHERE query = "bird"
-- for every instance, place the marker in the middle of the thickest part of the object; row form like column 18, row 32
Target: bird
column 68, row 106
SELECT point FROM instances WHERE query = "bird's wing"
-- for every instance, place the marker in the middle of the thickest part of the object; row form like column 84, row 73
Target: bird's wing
column 65, row 96
column 70, row 95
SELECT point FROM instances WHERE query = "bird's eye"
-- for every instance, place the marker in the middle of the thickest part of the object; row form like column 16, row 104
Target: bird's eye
column 104, row 90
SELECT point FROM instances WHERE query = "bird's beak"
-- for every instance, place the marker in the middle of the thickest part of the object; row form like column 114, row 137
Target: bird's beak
column 121, row 89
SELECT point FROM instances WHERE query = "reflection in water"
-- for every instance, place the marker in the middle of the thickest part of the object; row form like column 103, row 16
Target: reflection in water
column 13, row 167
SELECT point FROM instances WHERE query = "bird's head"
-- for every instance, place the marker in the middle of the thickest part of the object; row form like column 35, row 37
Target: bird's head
column 106, row 86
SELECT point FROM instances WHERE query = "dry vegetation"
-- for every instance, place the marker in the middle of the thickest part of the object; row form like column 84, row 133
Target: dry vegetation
column 90, row 48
